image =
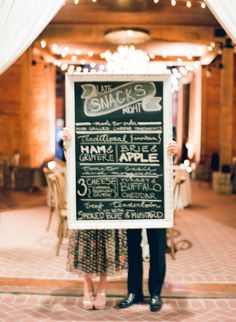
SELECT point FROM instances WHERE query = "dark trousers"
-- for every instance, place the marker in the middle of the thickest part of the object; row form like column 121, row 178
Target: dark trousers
column 157, row 249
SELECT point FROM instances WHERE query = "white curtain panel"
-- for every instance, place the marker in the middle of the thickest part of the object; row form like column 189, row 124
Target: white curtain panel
column 21, row 21
column 225, row 11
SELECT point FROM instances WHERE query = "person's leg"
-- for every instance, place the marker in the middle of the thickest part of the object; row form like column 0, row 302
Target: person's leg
column 135, row 265
column 100, row 301
column 157, row 247
column 135, row 269
column 88, row 300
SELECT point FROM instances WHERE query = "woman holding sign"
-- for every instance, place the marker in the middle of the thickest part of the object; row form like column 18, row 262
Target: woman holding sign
column 95, row 253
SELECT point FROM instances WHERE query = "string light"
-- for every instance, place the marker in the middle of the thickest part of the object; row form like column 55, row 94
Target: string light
column 189, row 4
column 203, row 5
column 43, row 43
column 73, row 58
column 64, row 66
column 54, row 48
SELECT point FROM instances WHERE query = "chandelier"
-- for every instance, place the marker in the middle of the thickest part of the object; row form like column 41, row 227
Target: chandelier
column 127, row 59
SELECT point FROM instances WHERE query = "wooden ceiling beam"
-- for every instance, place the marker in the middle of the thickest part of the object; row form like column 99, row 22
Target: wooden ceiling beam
column 91, row 33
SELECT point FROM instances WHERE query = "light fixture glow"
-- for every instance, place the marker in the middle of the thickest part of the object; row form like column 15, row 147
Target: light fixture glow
column 64, row 66
column 54, row 48
column 73, row 58
column 173, row 3
column 43, row 43
column 203, row 5
column 83, row 61
column 127, row 59
column 189, row 4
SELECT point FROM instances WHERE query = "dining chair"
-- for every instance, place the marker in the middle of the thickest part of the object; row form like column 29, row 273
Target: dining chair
column 57, row 179
column 50, row 196
column 178, row 181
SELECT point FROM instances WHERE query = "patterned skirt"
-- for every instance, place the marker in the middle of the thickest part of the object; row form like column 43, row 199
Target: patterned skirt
column 97, row 252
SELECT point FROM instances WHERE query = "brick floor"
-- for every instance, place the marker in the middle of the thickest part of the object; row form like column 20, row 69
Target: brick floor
column 48, row 308
column 205, row 237
column 207, row 230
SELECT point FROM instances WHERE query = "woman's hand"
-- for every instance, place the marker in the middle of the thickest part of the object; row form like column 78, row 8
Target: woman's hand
column 172, row 148
column 66, row 135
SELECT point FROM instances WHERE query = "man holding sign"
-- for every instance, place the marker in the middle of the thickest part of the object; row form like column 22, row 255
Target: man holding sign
column 157, row 249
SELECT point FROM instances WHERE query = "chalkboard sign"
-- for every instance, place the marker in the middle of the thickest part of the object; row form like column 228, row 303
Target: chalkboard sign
column 119, row 174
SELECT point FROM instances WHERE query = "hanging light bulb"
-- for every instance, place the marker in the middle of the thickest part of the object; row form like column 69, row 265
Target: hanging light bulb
column 155, row 1
column 203, row 5
column 173, row 3
column 76, row 1
column 189, row 4
column 54, row 48
column 74, row 58
column 43, row 43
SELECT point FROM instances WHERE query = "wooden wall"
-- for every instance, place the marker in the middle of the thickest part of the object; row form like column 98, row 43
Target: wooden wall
column 10, row 102
column 211, row 111
column 27, row 110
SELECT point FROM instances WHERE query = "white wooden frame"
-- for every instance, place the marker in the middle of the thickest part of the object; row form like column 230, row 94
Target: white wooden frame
column 168, row 160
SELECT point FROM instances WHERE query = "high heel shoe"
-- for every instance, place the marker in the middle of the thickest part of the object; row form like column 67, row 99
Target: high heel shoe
column 88, row 301
column 100, row 301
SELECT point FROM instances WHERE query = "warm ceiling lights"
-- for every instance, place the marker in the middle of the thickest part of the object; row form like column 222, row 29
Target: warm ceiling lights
column 127, row 36
column 127, row 59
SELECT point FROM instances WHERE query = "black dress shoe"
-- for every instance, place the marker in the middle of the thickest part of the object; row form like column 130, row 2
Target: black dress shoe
column 155, row 303
column 129, row 300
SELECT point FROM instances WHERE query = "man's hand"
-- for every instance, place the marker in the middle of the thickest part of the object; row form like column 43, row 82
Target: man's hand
column 172, row 148
column 66, row 135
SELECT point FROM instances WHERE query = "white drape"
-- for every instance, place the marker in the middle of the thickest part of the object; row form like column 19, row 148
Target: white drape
column 224, row 11
column 21, row 21
column 195, row 115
